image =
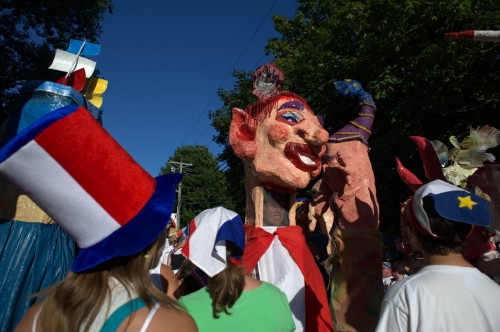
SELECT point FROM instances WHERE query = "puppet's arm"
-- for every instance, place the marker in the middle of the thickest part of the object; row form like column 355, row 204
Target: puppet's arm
column 360, row 127
column 358, row 243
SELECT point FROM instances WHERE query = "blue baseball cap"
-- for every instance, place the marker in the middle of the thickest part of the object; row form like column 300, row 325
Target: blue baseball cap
column 451, row 203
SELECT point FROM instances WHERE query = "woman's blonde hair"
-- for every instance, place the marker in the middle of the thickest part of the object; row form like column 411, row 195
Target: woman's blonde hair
column 74, row 303
column 225, row 288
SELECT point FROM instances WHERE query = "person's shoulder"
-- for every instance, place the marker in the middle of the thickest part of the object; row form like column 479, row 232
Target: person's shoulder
column 397, row 287
column 269, row 288
column 26, row 323
column 175, row 319
column 194, row 296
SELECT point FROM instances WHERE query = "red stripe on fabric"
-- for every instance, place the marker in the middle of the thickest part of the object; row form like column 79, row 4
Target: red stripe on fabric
column 192, row 228
column 257, row 243
column 318, row 316
column 99, row 164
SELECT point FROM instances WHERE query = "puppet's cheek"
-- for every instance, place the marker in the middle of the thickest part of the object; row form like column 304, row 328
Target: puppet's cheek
column 278, row 134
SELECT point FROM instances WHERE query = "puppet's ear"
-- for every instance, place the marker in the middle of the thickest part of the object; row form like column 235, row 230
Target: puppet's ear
column 242, row 135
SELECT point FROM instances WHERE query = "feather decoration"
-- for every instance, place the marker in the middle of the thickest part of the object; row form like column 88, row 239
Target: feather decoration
column 469, row 154
column 457, row 174
column 454, row 141
column 482, row 138
column 472, row 158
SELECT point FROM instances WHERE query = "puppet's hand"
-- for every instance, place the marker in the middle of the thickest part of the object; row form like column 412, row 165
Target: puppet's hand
column 353, row 88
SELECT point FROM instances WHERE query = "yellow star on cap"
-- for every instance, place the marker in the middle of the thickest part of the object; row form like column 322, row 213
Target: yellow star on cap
column 466, row 202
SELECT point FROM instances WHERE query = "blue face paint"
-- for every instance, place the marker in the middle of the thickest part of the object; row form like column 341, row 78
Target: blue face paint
column 292, row 117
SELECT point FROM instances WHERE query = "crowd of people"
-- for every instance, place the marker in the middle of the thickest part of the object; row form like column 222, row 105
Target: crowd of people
column 135, row 271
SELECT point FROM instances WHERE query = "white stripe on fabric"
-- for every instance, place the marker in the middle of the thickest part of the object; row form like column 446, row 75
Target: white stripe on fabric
column 59, row 195
column 203, row 251
column 277, row 267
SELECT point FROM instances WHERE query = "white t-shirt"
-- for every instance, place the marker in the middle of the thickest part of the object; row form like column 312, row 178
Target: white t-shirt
column 442, row 298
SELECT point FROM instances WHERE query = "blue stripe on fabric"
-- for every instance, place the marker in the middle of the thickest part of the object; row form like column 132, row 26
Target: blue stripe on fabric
column 117, row 317
column 232, row 230
column 29, row 134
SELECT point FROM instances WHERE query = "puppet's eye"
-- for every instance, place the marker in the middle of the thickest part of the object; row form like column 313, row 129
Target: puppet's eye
column 292, row 117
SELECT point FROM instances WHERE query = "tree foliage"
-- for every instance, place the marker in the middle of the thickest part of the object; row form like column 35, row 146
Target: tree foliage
column 30, row 31
column 203, row 186
column 239, row 97
column 423, row 83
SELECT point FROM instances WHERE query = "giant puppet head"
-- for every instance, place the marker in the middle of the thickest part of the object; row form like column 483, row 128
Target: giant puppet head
column 279, row 135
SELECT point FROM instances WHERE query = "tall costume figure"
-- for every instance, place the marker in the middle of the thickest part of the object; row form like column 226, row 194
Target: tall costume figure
column 35, row 251
column 281, row 142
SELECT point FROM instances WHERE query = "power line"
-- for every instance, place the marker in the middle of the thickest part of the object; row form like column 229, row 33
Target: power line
column 227, row 74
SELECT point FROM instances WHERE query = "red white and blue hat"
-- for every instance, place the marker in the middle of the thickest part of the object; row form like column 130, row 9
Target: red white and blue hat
column 79, row 175
column 451, row 203
column 209, row 232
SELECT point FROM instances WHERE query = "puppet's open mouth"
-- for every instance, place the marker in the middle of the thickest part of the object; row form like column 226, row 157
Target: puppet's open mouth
column 302, row 157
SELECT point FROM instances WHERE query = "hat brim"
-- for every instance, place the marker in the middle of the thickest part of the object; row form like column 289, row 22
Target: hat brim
column 138, row 233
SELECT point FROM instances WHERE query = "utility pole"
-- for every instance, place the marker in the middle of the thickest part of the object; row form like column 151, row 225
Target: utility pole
column 181, row 165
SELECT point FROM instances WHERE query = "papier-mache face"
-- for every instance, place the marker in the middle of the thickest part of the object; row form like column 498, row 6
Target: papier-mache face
column 286, row 146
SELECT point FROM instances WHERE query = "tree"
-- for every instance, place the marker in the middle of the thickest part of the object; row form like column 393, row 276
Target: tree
column 203, row 186
column 240, row 96
column 423, row 84
column 31, row 31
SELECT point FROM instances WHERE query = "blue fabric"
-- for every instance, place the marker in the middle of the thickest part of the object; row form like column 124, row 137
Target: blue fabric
column 232, row 230
column 353, row 88
column 38, row 98
column 121, row 313
column 449, row 206
column 89, row 48
column 33, row 256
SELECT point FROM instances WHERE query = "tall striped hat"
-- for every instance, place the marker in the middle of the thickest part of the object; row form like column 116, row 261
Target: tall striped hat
column 78, row 174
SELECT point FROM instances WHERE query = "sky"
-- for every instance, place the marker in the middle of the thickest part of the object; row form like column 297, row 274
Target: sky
column 165, row 60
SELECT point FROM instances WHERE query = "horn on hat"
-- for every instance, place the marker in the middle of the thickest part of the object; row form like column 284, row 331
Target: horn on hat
column 430, row 161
